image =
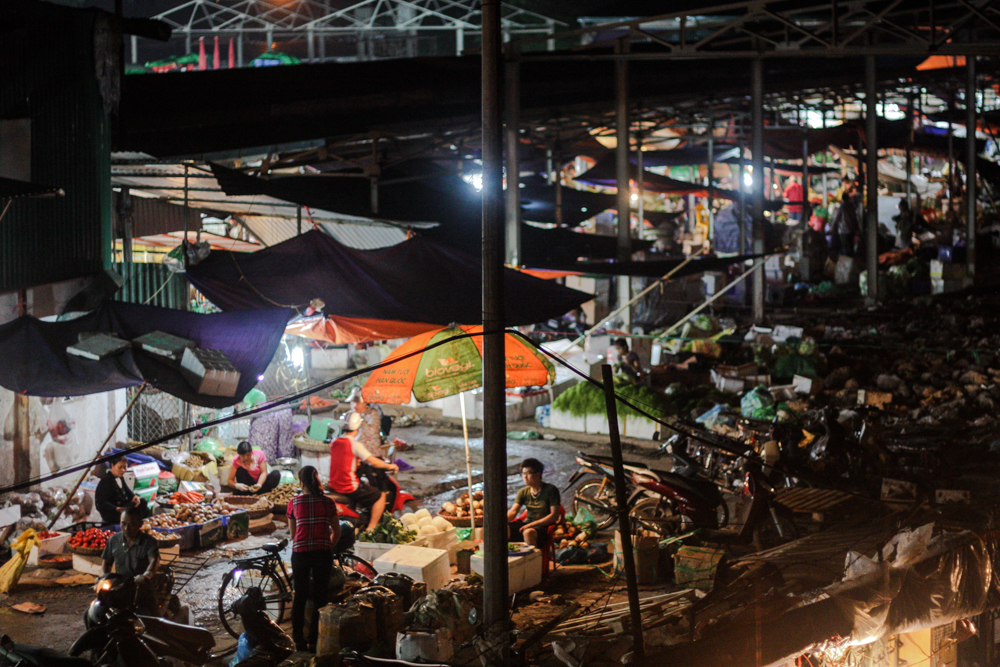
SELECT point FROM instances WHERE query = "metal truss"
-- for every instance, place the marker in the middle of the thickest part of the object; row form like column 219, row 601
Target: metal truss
column 778, row 28
column 317, row 18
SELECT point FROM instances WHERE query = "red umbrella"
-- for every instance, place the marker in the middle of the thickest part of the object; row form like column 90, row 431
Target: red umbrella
column 202, row 59
column 215, row 56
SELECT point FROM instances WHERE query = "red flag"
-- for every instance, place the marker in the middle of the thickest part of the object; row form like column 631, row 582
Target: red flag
column 232, row 55
column 202, row 59
column 215, row 56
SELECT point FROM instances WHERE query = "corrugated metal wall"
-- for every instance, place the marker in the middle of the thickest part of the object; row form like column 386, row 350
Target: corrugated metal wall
column 48, row 75
column 153, row 285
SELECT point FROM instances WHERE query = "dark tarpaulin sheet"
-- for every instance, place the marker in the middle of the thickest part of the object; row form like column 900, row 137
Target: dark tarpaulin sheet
column 417, row 280
column 654, row 268
column 687, row 155
column 36, row 362
column 409, row 197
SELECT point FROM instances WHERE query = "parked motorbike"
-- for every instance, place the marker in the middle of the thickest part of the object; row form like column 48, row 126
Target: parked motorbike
column 117, row 634
column 13, row 654
column 598, row 495
column 268, row 643
column 683, row 497
column 758, row 519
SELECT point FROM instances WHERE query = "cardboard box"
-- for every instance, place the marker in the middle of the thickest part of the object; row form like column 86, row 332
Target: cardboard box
column 807, row 385
column 876, row 398
column 422, row 564
column 210, row 533
column 741, row 371
column 98, row 346
column 92, row 565
column 523, row 572
column 695, row 567
column 209, row 372
column 945, row 496
column 146, row 475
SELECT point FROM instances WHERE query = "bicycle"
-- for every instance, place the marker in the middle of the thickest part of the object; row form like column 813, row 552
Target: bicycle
column 268, row 573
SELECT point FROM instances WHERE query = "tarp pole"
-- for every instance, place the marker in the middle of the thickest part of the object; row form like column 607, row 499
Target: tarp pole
column 909, row 152
column 742, row 210
column 640, row 208
column 495, row 576
column 711, row 174
column 970, row 164
column 757, row 148
column 512, row 112
column 83, row 475
column 628, row 555
column 871, row 167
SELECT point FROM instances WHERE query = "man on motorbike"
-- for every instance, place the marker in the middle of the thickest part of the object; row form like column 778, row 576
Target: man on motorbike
column 370, row 432
column 542, row 502
column 345, row 455
column 135, row 554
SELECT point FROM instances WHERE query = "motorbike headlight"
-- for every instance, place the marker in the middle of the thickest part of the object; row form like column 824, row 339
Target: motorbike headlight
column 237, row 574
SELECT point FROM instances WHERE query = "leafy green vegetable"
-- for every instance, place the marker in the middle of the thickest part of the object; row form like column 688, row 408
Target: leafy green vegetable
column 388, row 531
column 588, row 399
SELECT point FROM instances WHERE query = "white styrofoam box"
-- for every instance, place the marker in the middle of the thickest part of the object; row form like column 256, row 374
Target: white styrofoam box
column 782, row 332
column 320, row 460
column 446, row 541
column 425, row 646
column 567, row 422
column 783, row 392
column 423, row 564
column 640, row 427
column 93, row 565
column 807, row 385
column 53, row 545
column 523, row 572
column 655, row 354
column 370, row 551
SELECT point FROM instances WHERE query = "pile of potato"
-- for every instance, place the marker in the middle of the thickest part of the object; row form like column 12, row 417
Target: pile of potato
column 567, row 535
column 165, row 520
column 148, row 529
column 465, row 507
column 423, row 523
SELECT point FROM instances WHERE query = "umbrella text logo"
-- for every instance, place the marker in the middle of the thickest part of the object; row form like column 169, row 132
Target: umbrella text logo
column 448, row 367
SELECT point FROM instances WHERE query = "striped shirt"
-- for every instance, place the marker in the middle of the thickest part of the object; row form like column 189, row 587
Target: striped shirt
column 312, row 515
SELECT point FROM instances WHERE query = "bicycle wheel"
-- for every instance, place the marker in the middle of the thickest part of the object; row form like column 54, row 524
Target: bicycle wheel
column 352, row 564
column 237, row 582
column 599, row 498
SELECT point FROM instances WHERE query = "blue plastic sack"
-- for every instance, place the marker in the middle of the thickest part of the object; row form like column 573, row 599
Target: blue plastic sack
column 243, row 651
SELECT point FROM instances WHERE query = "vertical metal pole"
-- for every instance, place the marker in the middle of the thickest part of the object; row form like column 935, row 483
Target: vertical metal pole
column 494, row 416
column 826, row 197
column 871, row 171
column 459, row 41
column 628, row 555
column 741, row 188
column 311, row 44
column 909, row 149
column 622, row 150
column 804, row 216
column 135, row 49
column 298, row 231
column 640, row 187
column 951, row 145
column 512, row 113
column 624, row 203
column 711, row 173
column 184, row 241
column 557, row 182
column 757, row 148
column 970, row 164
column 239, row 49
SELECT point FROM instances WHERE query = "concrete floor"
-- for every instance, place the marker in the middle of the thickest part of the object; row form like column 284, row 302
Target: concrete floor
column 438, row 456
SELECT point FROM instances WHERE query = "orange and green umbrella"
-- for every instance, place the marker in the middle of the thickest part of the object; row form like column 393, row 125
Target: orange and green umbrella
column 452, row 368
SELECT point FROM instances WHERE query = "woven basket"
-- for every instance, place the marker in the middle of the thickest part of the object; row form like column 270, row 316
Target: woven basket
column 85, row 551
column 307, row 444
column 464, row 522
column 44, row 561
column 173, row 541
column 247, row 501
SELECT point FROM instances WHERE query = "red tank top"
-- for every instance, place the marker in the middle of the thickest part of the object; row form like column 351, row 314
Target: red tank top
column 343, row 467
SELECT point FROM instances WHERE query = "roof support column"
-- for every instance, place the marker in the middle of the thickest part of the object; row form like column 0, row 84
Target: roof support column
column 757, row 205
column 741, row 188
column 512, row 113
column 711, row 180
column 970, row 164
column 871, row 173
column 624, row 203
column 494, row 413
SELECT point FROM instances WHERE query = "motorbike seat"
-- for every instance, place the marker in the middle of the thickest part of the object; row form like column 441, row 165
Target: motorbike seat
column 700, row 487
column 188, row 634
column 46, row 657
column 338, row 497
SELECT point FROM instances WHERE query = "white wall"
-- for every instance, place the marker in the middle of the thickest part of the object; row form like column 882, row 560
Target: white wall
column 90, row 418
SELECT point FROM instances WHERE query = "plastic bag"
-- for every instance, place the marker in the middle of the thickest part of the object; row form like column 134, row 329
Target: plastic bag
column 758, row 404
column 523, row 435
column 211, row 446
column 572, row 555
column 287, row 477
column 585, row 521
column 598, row 553
column 243, row 651
column 10, row 573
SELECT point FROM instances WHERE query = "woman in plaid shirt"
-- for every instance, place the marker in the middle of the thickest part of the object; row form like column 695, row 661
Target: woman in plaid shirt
column 315, row 529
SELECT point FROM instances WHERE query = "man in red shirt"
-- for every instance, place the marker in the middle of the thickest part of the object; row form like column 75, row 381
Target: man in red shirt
column 345, row 455
column 793, row 195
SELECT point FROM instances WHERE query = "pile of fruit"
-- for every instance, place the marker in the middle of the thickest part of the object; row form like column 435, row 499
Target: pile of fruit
column 47, row 535
column 92, row 538
column 165, row 520
column 162, row 537
column 570, row 535
column 465, row 507
column 185, row 514
column 316, row 403
column 422, row 523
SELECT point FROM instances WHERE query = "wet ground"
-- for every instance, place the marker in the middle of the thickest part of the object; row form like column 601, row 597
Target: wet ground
column 438, row 457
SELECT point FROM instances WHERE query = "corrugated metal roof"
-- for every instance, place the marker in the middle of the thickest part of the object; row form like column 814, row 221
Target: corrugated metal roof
column 274, row 230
